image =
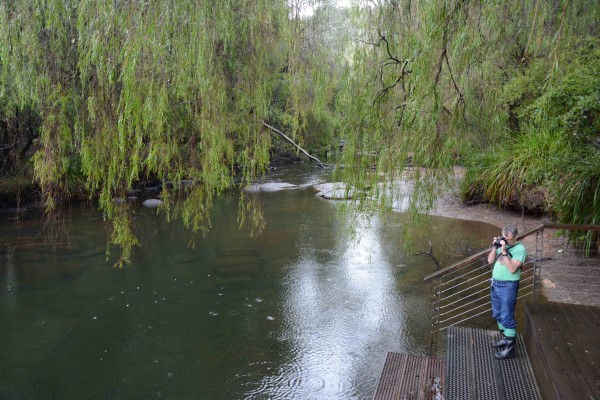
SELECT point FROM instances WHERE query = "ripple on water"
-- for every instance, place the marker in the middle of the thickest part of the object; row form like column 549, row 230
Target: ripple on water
column 249, row 379
column 298, row 382
column 316, row 372
column 265, row 379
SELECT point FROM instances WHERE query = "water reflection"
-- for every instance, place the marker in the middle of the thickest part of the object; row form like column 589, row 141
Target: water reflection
column 11, row 283
column 335, row 307
column 304, row 310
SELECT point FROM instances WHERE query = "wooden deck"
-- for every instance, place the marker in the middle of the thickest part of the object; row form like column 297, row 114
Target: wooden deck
column 564, row 346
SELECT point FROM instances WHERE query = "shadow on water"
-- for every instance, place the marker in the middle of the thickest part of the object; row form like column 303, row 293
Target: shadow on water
column 303, row 310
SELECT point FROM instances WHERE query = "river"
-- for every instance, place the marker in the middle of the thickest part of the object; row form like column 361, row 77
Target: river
column 307, row 309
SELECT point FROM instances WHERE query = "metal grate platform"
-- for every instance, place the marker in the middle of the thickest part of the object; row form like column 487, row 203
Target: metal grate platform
column 406, row 376
column 473, row 373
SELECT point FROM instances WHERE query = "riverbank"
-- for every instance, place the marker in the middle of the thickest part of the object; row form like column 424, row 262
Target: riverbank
column 452, row 206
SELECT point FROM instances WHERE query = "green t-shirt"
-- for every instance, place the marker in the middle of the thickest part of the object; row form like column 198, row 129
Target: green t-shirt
column 500, row 272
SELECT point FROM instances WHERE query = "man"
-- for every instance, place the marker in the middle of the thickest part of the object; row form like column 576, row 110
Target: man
column 508, row 256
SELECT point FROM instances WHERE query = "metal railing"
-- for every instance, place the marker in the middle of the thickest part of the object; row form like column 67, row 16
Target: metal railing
column 461, row 292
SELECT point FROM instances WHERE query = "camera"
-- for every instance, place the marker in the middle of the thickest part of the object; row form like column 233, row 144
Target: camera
column 498, row 244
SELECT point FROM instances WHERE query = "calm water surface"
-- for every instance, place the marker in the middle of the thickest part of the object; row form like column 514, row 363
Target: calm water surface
column 304, row 310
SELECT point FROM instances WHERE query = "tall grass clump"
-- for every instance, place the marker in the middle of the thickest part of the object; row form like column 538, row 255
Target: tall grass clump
column 576, row 195
column 515, row 167
column 543, row 162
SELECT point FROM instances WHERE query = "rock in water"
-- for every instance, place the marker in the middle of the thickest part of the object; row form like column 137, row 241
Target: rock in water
column 269, row 187
column 333, row 191
column 152, row 203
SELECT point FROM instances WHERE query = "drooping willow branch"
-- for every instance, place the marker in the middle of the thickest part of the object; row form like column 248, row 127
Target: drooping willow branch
column 443, row 58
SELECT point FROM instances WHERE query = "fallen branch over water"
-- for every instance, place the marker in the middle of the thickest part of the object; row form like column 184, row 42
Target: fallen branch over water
column 283, row 135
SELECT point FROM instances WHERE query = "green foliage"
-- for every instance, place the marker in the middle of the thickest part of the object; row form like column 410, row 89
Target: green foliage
column 545, row 161
column 170, row 90
column 576, row 193
column 559, row 114
column 510, row 89
column 569, row 98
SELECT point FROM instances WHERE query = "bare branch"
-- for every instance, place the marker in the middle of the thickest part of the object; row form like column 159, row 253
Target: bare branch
column 460, row 95
column 430, row 254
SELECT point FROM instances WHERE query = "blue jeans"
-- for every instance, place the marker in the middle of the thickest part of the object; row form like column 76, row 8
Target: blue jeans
column 504, row 298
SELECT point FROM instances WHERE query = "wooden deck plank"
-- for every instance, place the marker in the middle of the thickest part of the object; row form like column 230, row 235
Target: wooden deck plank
column 545, row 358
column 570, row 367
column 591, row 317
column 583, row 343
column 562, row 353
column 567, row 365
column 536, row 356
column 572, row 364
column 586, row 346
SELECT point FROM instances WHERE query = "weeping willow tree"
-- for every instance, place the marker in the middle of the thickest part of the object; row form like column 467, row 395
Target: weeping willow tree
column 431, row 86
column 315, row 61
column 122, row 90
column 127, row 89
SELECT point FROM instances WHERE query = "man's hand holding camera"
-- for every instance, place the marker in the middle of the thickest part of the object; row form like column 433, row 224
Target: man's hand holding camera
column 504, row 258
column 500, row 242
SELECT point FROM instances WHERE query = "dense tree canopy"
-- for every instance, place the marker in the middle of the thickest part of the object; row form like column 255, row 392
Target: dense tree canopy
column 122, row 90
column 507, row 88
column 100, row 94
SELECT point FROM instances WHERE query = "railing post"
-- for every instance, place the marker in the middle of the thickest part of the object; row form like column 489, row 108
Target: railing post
column 537, row 265
column 435, row 315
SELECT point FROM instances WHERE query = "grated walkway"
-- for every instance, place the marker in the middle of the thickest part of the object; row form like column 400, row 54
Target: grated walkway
column 474, row 373
column 469, row 372
column 406, row 376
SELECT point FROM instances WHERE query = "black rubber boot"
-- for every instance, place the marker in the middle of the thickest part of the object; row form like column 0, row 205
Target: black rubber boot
column 500, row 343
column 509, row 350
